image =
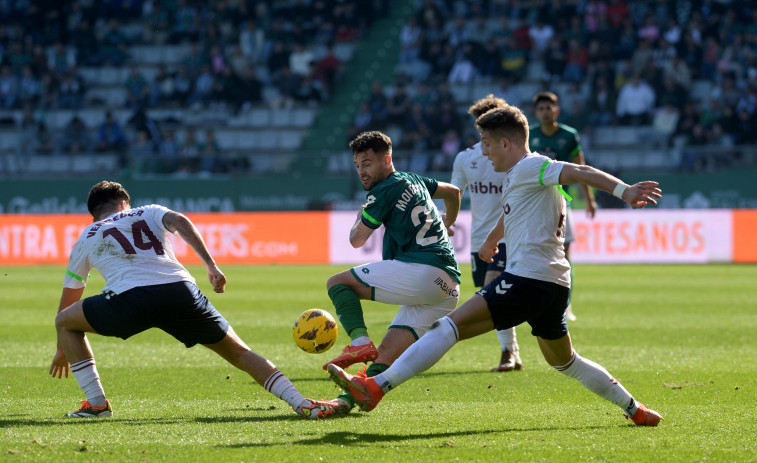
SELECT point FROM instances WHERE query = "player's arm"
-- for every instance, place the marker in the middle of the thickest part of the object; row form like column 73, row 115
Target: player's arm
column 490, row 247
column 637, row 195
column 451, row 195
column 179, row 223
column 591, row 203
column 59, row 366
column 360, row 232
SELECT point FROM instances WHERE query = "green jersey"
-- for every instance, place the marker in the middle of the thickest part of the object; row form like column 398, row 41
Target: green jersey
column 563, row 145
column 414, row 231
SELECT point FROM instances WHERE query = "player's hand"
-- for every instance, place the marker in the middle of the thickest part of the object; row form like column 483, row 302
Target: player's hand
column 591, row 208
column 450, row 231
column 217, row 279
column 640, row 194
column 59, row 367
column 487, row 252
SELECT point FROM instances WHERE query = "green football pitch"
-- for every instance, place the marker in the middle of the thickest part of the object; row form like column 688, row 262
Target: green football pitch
column 680, row 338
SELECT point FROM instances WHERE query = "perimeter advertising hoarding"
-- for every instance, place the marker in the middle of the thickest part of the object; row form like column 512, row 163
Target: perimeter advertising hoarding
column 614, row 236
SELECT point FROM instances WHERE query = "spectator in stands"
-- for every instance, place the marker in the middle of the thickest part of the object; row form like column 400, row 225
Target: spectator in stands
column 278, row 59
column 555, row 60
column 137, row 88
column 327, row 69
column 202, row 89
column 75, row 137
column 664, row 124
column 168, row 153
column 463, row 71
column 71, row 90
column 210, row 159
column 29, row 88
column 635, row 102
column 142, row 154
column 450, row 146
column 110, row 136
column 161, row 89
column 250, row 92
column 362, row 120
column 113, row 49
column 186, row 23
column 602, row 103
column 443, row 119
column 417, row 121
column 183, row 86
column 514, row 60
column 9, row 91
column 540, row 35
column 60, row 58
column 398, row 106
column 300, row 60
column 576, row 62
column 157, row 26
column 251, row 41
column 410, row 41
column 310, row 91
column 287, row 84
column 377, row 103
column 44, row 139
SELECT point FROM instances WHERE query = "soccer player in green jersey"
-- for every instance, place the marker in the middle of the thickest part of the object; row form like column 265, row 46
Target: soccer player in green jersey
column 418, row 271
column 561, row 143
column 534, row 286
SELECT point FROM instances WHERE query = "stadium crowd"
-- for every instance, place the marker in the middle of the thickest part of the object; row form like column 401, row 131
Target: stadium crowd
column 619, row 63
column 242, row 53
column 611, row 62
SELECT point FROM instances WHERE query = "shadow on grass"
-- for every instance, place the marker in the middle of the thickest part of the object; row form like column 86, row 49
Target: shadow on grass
column 9, row 423
column 347, row 438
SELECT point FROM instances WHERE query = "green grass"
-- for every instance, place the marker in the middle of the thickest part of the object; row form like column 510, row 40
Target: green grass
column 680, row 338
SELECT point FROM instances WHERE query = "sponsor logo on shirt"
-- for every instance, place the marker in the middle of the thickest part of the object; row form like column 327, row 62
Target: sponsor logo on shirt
column 507, row 208
column 484, row 188
column 450, row 290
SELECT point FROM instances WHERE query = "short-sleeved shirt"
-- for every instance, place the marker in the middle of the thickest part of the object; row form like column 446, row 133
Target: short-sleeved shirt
column 129, row 249
column 475, row 171
column 414, row 228
column 535, row 220
column 564, row 145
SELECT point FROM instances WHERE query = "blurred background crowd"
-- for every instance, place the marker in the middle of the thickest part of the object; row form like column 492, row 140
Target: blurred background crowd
column 186, row 87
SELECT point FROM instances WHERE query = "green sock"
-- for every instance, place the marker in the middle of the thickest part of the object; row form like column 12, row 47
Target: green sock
column 348, row 310
column 373, row 370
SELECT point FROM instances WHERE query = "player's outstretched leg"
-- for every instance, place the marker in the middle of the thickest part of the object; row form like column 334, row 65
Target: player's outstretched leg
column 644, row 416
column 366, row 392
column 355, row 354
column 316, row 409
column 510, row 359
column 88, row 410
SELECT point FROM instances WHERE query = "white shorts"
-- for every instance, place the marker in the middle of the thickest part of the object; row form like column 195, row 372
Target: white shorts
column 569, row 235
column 424, row 293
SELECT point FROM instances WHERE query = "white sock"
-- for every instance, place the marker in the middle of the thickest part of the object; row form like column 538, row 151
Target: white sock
column 598, row 380
column 280, row 386
column 361, row 341
column 421, row 355
column 507, row 340
column 86, row 375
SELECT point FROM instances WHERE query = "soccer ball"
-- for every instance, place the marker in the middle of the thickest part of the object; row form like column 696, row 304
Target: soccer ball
column 315, row 331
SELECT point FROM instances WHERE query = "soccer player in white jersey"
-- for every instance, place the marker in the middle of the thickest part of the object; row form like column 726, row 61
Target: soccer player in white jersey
column 146, row 287
column 534, row 287
column 474, row 171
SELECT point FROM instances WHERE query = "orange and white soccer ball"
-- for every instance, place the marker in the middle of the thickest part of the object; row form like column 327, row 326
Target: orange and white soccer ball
column 315, row 331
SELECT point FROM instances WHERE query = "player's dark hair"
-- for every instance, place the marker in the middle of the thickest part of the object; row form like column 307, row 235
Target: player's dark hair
column 486, row 103
column 549, row 97
column 374, row 140
column 105, row 195
column 506, row 122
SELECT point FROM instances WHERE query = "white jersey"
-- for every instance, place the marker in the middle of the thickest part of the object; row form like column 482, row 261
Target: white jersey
column 475, row 171
column 129, row 249
column 535, row 220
